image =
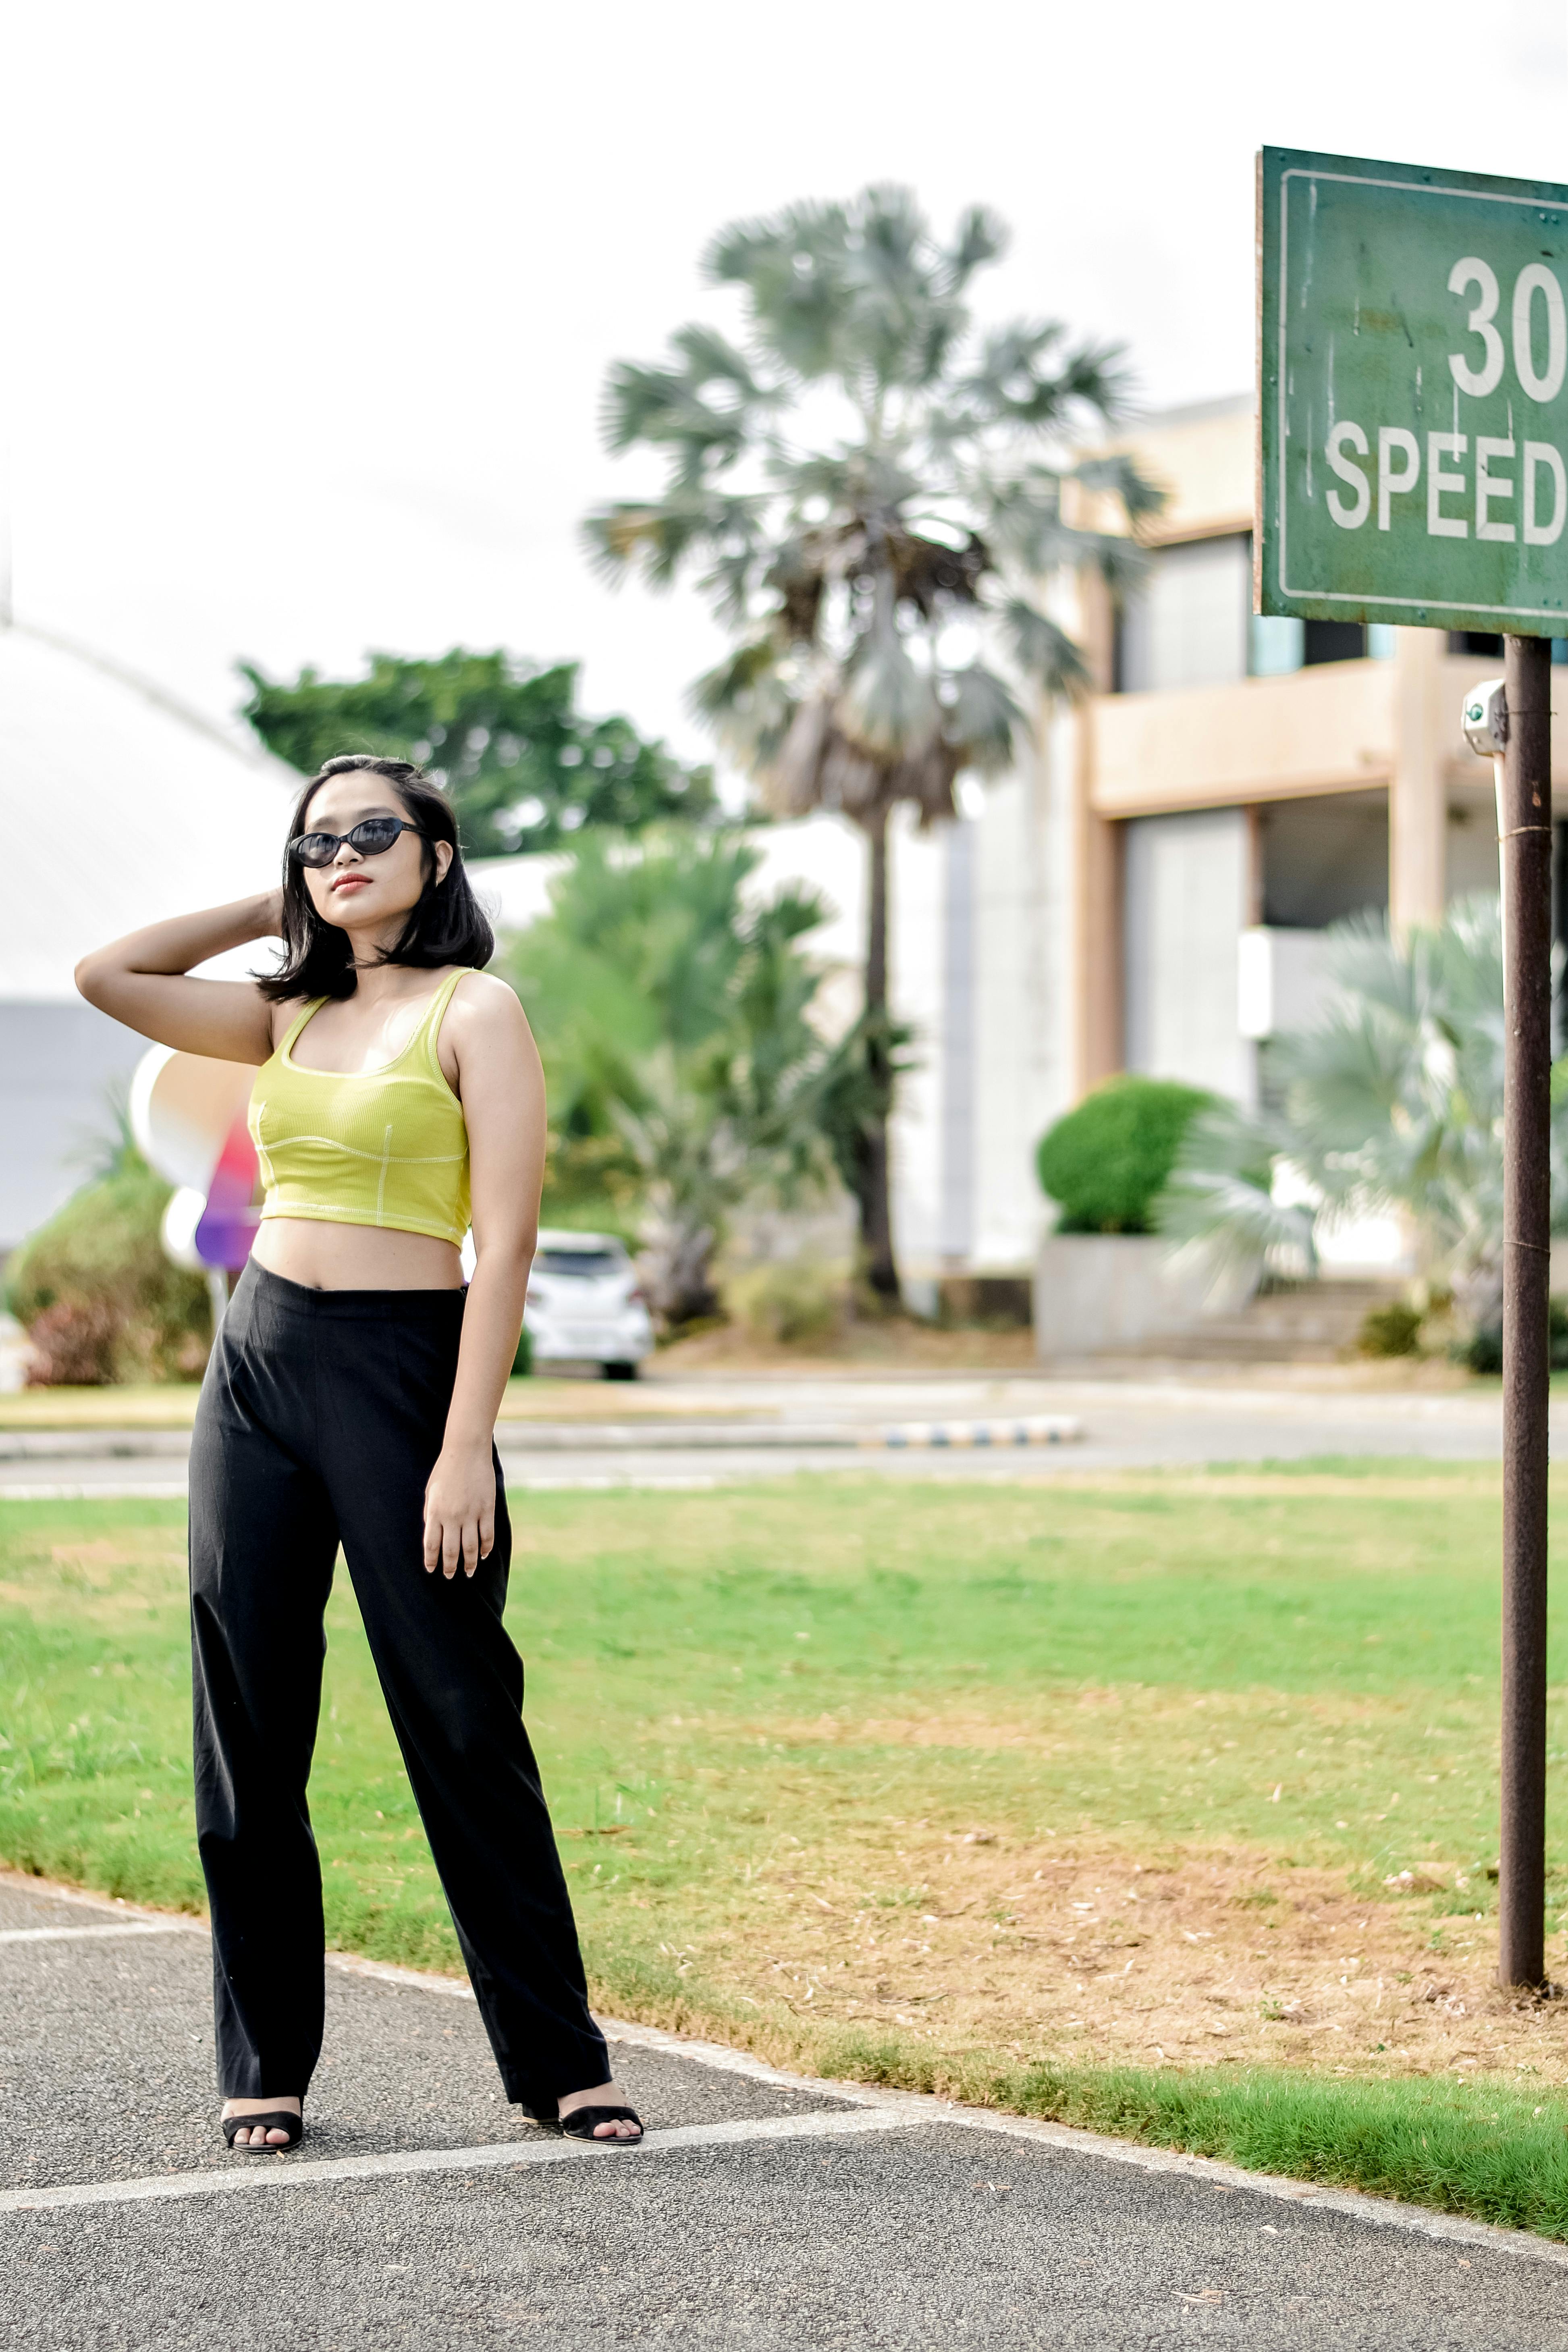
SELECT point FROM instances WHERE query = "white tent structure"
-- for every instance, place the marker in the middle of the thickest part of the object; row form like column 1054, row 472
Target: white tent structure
column 118, row 807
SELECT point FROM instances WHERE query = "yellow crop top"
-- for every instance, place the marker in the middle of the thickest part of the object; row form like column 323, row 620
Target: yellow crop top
column 387, row 1147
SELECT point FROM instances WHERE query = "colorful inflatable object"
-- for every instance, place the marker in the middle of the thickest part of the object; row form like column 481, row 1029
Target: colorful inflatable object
column 188, row 1116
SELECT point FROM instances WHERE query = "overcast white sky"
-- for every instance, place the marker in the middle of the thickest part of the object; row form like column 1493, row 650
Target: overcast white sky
column 315, row 297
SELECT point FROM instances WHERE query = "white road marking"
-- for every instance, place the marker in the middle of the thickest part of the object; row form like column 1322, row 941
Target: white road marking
column 869, row 2110
column 291, row 2172
column 75, row 1935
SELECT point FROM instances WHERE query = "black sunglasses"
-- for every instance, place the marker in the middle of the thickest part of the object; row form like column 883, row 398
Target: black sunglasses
column 375, row 836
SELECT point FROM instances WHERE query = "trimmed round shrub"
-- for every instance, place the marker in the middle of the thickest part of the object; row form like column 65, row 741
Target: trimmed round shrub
column 101, row 1301
column 1104, row 1164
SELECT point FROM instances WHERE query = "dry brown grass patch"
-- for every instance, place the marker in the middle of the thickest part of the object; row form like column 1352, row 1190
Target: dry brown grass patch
column 1091, row 1953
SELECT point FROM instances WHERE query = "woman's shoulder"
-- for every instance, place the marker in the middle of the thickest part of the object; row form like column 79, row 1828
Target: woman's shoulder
column 477, row 987
column 483, row 1005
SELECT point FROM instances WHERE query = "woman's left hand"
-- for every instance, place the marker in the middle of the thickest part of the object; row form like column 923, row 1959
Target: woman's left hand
column 460, row 1510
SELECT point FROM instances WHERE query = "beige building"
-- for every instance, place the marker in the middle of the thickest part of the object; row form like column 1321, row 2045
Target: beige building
column 1149, row 892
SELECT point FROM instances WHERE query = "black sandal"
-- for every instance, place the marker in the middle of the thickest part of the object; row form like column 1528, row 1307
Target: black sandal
column 279, row 2119
column 580, row 2125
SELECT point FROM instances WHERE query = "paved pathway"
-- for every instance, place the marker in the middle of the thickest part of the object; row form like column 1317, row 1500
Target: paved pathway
column 1125, row 1425
column 764, row 2211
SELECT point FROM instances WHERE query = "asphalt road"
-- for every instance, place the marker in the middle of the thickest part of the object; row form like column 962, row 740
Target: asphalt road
column 758, row 1429
column 762, row 2211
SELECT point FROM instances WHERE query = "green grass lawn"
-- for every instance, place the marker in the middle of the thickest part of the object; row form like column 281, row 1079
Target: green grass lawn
column 825, row 1683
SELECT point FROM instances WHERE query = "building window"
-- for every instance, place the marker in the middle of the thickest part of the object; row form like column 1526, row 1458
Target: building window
column 1187, row 621
column 1319, row 860
column 1190, row 622
column 1481, row 647
column 1277, row 645
column 1331, row 641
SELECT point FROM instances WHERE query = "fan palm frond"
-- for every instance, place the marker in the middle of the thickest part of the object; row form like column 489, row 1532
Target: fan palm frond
column 1219, row 1205
column 888, row 707
column 982, row 236
column 665, row 407
column 711, row 358
column 1043, row 652
column 983, row 721
column 1121, row 477
column 747, row 703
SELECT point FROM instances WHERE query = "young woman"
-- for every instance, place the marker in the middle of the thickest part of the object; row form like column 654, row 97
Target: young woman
column 350, row 1397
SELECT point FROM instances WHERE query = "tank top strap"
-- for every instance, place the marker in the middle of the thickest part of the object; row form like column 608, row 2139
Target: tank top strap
column 427, row 1036
column 286, row 1040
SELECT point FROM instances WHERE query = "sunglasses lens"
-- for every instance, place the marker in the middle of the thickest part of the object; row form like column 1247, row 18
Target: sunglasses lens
column 315, row 848
column 377, row 833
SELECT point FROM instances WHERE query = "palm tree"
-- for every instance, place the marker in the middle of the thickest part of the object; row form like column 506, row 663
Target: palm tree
column 868, row 489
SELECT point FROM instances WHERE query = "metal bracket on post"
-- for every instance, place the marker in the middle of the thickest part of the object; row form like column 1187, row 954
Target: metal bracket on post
column 1485, row 725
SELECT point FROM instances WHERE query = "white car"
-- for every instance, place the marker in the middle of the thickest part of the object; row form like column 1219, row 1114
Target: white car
column 584, row 1305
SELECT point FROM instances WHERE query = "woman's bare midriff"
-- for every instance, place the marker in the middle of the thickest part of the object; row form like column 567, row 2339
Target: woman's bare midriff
column 321, row 1255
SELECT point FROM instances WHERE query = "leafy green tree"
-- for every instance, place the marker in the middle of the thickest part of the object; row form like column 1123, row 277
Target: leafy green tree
column 525, row 769
column 683, row 1070
column 869, row 492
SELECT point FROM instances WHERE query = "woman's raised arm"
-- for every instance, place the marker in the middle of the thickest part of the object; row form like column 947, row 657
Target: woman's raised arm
column 143, row 980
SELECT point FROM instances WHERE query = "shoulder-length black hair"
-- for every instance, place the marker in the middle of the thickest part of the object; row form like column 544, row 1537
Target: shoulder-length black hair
column 444, row 926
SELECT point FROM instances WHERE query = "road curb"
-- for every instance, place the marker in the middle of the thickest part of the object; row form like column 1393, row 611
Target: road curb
column 517, row 1439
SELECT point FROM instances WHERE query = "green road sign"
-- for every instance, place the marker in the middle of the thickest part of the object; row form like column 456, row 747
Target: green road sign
column 1413, row 352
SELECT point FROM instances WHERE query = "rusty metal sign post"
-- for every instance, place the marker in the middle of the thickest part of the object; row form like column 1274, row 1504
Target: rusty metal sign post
column 1413, row 352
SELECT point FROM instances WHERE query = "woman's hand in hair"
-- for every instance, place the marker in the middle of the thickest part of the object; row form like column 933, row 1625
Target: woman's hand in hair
column 460, row 1509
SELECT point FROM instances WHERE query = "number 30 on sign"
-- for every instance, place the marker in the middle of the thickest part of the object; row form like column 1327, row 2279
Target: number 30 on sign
column 1413, row 395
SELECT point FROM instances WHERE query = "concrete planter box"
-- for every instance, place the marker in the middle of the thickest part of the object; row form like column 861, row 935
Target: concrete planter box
column 1095, row 1292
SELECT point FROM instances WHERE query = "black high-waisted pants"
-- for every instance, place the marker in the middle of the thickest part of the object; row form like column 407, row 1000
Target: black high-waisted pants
column 320, row 1419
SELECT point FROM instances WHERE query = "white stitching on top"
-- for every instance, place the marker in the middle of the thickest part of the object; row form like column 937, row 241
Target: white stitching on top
column 400, row 1158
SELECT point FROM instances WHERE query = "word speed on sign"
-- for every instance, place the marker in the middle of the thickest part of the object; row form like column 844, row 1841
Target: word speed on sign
column 1413, row 394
